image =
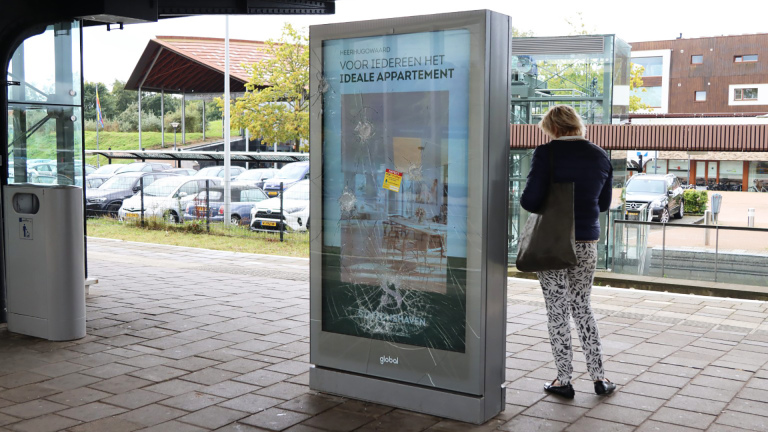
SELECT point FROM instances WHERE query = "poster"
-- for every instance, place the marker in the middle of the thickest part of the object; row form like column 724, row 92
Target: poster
column 395, row 145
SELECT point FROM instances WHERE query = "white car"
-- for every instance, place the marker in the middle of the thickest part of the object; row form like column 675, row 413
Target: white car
column 266, row 216
column 166, row 198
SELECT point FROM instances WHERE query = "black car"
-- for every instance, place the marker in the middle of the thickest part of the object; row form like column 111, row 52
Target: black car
column 107, row 198
column 663, row 194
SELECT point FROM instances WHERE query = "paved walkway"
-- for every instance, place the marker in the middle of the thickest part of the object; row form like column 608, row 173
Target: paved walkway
column 187, row 339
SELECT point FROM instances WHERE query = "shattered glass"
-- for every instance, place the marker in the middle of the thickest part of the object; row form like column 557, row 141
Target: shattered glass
column 395, row 173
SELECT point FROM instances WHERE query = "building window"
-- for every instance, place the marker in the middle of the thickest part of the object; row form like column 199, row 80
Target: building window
column 697, row 59
column 701, row 96
column 745, row 58
column 745, row 94
column 651, row 96
column 652, row 66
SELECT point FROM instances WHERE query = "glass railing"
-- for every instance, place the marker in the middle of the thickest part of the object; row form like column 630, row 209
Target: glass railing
column 628, row 243
column 729, row 254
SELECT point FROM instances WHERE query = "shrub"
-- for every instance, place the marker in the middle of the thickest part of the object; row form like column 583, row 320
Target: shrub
column 695, row 201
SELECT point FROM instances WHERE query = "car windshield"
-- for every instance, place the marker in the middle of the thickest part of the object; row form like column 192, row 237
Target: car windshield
column 164, row 186
column 298, row 192
column 134, row 167
column 208, row 172
column 119, row 182
column 215, row 195
column 291, row 171
column 647, row 186
column 252, row 175
column 108, row 169
column 252, row 195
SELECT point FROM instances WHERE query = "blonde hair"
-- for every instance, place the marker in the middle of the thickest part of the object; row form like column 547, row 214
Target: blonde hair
column 562, row 120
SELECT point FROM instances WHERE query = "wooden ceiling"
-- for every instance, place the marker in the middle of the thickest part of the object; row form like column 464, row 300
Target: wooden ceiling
column 178, row 64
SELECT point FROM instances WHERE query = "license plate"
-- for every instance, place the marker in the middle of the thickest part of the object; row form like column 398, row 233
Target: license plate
column 272, row 193
column 131, row 215
column 273, row 224
column 201, row 209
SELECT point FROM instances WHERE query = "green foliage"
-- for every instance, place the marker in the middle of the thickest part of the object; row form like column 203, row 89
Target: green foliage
column 276, row 104
column 521, row 33
column 122, row 97
column 578, row 27
column 89, row 101
column 695, row 201
column 636, row 82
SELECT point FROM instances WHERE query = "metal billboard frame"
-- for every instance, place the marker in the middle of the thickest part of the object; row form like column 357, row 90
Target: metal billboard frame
column 341, row 363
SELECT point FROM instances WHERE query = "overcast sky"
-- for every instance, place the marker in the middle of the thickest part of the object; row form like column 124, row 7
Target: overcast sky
column 112, row 55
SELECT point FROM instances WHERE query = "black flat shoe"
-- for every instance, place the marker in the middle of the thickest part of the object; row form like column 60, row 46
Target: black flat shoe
column 604, row 387
column 565, row 391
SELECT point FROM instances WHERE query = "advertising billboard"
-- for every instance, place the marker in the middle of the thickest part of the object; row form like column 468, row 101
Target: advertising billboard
column 402, row 266
column 397, row 139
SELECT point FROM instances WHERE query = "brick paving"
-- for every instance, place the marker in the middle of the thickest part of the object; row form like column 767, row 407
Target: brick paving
column 183, row 339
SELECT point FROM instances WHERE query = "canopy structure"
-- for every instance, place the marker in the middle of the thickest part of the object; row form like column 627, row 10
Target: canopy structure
column 193, row 67
column 200, row 156
column 184, row 64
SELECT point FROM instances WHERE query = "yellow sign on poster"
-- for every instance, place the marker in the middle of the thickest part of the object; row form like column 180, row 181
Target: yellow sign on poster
column 392, row 180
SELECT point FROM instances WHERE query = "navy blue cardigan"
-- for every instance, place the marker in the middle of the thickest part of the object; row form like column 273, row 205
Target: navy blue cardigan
column 588, row 167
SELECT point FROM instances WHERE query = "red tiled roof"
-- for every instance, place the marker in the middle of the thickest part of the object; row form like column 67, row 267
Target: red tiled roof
column 194, row 64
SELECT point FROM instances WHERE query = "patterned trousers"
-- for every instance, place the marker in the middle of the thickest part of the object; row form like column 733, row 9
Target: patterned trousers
column 567, row 293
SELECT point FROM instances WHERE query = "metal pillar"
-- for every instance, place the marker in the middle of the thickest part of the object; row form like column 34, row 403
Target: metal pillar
column 139, row 92
column 247, row 146
column 183, row 117
column 227, row 194
column 162, row 118
column 203, row 119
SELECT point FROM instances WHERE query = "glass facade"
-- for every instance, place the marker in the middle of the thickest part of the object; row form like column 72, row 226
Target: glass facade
column 595, row 84
column 45, row 108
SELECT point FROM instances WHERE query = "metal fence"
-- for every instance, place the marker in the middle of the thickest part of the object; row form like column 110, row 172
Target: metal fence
column 731, row 254
column 197, row 204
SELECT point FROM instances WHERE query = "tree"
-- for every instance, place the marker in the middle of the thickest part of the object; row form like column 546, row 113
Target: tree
column 578, row 27
column 635, row 86
column 521, row 33
column 105, row 99
column 275, row 107
column 123, row 97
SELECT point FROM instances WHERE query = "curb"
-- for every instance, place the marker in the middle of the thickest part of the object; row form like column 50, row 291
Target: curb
column 678, row 286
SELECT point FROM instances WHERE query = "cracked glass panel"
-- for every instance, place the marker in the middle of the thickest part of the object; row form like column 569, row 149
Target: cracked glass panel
column 395, row 147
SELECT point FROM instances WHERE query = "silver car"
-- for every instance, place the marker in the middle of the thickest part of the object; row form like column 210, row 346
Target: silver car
column 166, row 198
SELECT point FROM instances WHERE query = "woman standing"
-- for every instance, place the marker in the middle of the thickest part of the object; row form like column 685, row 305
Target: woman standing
column 567, row 292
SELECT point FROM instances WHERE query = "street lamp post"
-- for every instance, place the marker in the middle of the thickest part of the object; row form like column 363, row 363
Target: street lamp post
column 174, row 125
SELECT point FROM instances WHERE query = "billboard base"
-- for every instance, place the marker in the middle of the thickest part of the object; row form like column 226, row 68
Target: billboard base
column 433, row 401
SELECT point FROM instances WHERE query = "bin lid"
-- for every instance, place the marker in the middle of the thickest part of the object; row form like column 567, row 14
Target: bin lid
column 41, row 186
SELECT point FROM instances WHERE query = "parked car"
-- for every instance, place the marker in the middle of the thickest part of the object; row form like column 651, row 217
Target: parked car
column 108, row 198
column 93, row 183
column 144, row 167
column 243, row 198
column 89, row 169
column 289, row 175
column 663, row 194
column 254, row 177
column 218, row 171
column 166, row 197
column 183, row 171
column 104, row 172
column 41, row 172
column 266, row 215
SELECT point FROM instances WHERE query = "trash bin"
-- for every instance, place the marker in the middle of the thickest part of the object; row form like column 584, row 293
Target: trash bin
column 44, row 261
